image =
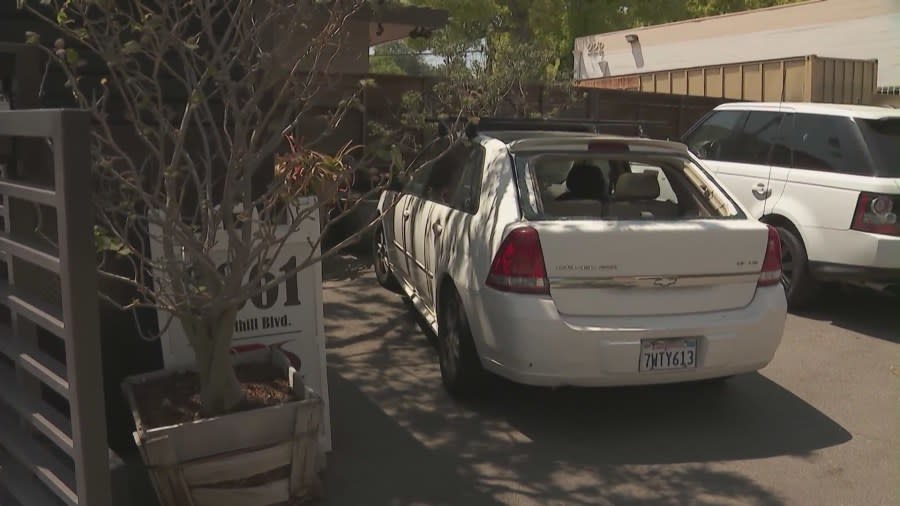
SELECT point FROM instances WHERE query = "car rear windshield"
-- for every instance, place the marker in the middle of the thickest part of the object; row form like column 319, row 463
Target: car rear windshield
column 883, row 138
column 583, row 185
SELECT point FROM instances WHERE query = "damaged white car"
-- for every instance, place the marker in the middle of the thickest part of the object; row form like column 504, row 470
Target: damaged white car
column 553, row 257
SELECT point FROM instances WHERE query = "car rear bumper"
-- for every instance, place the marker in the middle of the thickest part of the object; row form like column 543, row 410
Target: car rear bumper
column 524, row 338
column 839, row 250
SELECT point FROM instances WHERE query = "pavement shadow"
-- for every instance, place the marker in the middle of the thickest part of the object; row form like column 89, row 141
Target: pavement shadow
column 345, row 267
column 524, row 445
column 375, row 461
column 747, row 417
column 864, row 311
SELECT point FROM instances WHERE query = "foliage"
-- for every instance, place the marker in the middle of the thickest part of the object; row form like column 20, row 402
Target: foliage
column 398, row 58
column 554, row 24
column 210, row 118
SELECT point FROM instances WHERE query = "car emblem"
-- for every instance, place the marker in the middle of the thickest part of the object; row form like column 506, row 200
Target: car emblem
column 664, row 282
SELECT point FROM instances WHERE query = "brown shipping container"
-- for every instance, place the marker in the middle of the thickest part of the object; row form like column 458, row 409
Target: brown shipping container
column 797, row 79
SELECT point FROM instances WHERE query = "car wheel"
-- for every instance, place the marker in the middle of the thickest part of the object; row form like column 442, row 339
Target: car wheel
column 382, row 267
column 799, row 286
column 461, row 370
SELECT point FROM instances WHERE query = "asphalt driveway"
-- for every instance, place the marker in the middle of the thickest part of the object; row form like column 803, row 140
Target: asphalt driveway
column 818, row 426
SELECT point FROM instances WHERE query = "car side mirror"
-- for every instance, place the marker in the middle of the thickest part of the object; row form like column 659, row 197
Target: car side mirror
column 704, row 149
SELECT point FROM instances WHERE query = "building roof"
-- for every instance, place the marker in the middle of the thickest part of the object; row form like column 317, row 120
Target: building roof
column 856, row 111
column 394, row 22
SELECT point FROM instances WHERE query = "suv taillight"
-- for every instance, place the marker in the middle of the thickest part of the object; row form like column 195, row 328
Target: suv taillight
column 875, row 213
column 771, row 267
column 518, row 266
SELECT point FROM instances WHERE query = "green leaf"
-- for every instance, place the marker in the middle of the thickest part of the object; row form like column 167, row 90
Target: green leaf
column 131, row 47
column 105, row 242
column 32, row 38
column 197, row 97
column 71, row 56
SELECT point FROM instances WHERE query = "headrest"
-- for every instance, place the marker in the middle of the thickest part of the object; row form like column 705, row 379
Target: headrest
column 637, row 186
column 586, row 181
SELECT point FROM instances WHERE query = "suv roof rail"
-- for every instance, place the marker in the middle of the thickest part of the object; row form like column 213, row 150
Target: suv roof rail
column 614, row 127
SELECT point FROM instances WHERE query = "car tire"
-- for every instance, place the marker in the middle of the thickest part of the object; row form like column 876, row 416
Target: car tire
column 461, row 371
column 383, row 272
column 799, row 285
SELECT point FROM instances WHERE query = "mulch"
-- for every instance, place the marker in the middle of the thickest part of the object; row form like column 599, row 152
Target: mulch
column 176, row 399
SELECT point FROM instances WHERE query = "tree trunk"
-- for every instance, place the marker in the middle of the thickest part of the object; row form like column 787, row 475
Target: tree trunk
column 220, row 390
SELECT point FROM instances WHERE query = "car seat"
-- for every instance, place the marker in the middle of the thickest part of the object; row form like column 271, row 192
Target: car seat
column 585, row 182
column 636, row 198
column 586, row 193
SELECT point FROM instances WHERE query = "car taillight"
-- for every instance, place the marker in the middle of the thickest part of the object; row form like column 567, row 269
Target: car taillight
column 875, row 213
column 518, row 265
column 771, row 267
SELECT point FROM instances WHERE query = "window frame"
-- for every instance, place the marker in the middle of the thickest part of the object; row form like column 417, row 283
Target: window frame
column 461, row 150
column 529, row 199
column 878, row 161
column 742, row 115
column 477, row 176
column 740, row 136
column 854, row 133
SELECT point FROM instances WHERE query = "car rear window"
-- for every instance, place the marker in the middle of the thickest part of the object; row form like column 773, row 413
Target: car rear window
column 883, row 139
column 583, row 185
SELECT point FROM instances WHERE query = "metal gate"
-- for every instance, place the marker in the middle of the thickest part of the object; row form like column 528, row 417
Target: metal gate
column 53, row 444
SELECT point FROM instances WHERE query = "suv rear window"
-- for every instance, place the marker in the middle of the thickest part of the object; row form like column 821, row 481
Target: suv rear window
column 634, row 186
column 828, row 143
column 883, row 139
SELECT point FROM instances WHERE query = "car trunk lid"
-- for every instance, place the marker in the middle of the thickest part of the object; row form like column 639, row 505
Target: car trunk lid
column 629, row 268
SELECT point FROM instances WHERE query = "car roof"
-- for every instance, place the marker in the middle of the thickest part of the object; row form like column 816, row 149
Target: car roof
column 538, row 140
column 849, row 110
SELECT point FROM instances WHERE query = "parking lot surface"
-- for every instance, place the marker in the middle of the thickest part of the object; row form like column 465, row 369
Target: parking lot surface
column 818, row 426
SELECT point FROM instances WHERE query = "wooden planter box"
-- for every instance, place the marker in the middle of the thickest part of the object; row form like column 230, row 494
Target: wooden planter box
column 202, row 463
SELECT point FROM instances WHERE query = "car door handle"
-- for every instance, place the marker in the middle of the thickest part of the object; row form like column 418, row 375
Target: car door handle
column 437, row 228
column 761, row 192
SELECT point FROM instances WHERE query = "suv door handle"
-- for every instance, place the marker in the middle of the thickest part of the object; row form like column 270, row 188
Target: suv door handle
column 437, row 228
column 761, row 192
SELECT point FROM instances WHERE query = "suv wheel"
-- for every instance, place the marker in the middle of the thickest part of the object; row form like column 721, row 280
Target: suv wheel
column 799, row 286
column 461, row 370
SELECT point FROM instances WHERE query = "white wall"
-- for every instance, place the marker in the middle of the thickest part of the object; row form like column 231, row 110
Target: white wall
column 856, row 29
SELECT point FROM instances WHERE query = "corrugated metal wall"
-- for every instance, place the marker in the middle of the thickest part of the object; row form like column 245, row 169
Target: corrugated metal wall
column 799, row 79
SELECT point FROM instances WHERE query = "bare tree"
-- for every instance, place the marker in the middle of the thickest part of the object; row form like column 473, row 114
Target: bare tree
column 191, row 108
column 210, row 118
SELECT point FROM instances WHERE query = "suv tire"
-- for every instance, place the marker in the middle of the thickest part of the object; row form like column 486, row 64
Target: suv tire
column 799, row 285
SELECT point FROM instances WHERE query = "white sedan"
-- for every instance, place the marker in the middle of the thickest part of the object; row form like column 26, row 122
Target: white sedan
column 563, row 258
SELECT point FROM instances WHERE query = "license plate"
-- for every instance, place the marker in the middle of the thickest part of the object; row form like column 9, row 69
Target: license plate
column 668, row 354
